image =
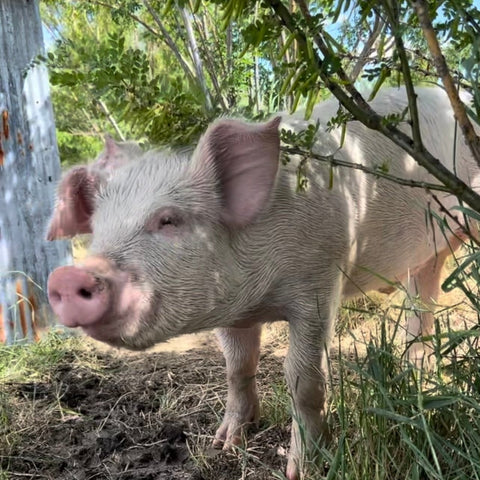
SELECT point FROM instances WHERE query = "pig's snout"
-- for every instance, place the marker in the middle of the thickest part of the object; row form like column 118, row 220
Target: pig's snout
column 78, row 297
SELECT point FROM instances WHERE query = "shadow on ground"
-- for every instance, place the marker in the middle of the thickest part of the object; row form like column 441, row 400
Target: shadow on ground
column 101, row 415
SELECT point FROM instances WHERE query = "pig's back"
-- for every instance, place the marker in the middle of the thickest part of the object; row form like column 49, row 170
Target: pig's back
column 387, row 226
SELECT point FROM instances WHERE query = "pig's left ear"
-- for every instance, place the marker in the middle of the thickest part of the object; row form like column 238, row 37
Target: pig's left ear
column 75, row 203
column 244, row 158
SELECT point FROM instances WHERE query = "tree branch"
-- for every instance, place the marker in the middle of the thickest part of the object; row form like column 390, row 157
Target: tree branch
column 197, row 61
column 169, row 40
column 209, row 62
column 362, row 111
column 394, row 14
column 471, row 138
column 111, row 119
column 363, row 57
column 163, row 35
column 327, row 53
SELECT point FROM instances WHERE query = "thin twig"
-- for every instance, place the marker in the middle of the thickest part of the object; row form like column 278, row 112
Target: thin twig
column 457, row 77
column 377, row 172
column 464, row 229
column 131, row 15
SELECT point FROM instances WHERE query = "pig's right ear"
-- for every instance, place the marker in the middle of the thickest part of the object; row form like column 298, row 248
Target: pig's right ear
column 75, row 204
column 116, row 154
column 243, row 158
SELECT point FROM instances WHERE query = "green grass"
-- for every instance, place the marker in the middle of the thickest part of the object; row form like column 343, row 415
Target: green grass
column 25, row 363
column 275, row 405
column 33, row 361
column 389, row 421
column 392, row 421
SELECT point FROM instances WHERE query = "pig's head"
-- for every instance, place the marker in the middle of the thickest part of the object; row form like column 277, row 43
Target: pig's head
column 162, row 262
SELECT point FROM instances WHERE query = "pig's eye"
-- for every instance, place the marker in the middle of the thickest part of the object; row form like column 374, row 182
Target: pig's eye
column 166, row 220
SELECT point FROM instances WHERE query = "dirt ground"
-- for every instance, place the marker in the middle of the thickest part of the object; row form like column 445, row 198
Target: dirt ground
column 104, row 414
column 107, row 414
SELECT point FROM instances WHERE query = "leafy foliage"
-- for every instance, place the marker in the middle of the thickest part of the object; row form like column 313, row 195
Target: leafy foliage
column 160, row 72
column 115, row 67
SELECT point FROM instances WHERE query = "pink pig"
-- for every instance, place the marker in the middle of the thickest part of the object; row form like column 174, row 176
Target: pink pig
column 220, row 238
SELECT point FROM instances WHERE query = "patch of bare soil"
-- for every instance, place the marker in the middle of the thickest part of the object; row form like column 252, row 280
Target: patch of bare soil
column 102, row 415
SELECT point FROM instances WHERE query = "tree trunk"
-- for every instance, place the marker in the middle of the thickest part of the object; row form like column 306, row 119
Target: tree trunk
column 165, row 36
column 197, row 61
column 29, row 169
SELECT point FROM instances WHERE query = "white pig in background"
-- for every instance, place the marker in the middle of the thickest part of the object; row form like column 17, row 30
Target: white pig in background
column 220, row 238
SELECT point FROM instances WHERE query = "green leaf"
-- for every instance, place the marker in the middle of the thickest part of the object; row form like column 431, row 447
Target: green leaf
column 384, row 74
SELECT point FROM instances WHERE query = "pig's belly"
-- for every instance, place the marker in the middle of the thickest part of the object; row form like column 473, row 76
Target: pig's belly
column 376, row 267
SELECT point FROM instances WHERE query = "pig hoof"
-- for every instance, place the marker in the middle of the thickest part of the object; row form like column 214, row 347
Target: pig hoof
column 228, row 436
column 231, row 432
column 421, row 356
column 292, row 470
column 219, row 443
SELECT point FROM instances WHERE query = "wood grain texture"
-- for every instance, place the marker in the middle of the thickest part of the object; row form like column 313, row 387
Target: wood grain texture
column 29, row 170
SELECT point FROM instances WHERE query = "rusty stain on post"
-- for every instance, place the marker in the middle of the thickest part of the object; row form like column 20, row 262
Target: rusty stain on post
column 5, row 126
column 19, row 320
column 27, row 307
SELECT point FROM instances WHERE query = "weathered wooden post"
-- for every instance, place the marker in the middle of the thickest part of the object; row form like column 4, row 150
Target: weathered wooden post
column 29, row 170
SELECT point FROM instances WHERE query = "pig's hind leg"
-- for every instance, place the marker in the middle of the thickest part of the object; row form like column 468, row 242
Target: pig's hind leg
column 241, row 348
column 424, row 288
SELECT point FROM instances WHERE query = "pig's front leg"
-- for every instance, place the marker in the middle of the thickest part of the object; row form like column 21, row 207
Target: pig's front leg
column 241, row 348
column 306, row 379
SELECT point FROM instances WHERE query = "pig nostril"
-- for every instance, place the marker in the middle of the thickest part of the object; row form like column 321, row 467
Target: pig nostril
column 85, row 293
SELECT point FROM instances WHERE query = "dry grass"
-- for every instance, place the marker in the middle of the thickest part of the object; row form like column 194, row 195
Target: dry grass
column 75, row 409
column 106, row 415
